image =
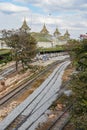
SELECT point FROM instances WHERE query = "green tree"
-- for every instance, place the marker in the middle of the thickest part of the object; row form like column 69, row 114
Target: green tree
column 23, row 46
column 79, row 84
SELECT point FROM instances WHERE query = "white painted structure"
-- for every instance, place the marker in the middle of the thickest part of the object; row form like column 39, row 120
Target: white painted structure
column 59, row 42
column 3, row 45
column 39, row 44
column 45, row 44
column 54, row 43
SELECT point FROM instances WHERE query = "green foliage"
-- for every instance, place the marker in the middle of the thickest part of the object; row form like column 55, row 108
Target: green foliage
column 5, row 56
column 79, row 84
column 23, row 47
column 81, row 55
column 79, row 111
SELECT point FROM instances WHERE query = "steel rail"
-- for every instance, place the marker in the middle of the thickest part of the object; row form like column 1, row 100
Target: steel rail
column 59, row 117
column 17, row 90
column 26, row 106
column 36, row 105
column 21, row 87
column 30, row 113
column 5, row 71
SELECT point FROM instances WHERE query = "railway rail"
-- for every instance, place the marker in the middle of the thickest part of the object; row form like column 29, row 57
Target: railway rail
column 29, row 111
column 7, row 71
column 61, row 120
column 13, row 93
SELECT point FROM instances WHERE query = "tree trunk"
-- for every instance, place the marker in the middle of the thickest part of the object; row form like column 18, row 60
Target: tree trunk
column 16, row 65
column 22, row 65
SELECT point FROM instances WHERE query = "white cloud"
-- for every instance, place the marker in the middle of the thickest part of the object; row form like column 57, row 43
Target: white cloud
column 56, row 5
column 9, row 7
column 66, row 14
column 74, row 24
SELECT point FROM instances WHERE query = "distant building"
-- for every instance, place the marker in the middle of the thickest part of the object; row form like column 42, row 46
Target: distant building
column 67, row 35
column 44, row 30
column 44, row 44
column 60, row 39
column 25, row 27
column 57, row 33
column 44, row 38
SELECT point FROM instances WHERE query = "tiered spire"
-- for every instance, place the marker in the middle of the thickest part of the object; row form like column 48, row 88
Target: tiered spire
column 67, row 35
column 44, row 30
column 57, row 33
column 25, row 27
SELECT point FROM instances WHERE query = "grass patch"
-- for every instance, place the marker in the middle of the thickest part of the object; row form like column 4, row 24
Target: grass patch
column 4, row 51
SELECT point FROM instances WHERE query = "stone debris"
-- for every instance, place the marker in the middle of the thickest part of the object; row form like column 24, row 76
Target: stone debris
column 6, row 110
column 2, row 86
column 60, row 106
column 52, row 116
column 67, row 73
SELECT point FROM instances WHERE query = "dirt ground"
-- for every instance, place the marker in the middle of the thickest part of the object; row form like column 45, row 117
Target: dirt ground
column 68, row 72
column 12, row 82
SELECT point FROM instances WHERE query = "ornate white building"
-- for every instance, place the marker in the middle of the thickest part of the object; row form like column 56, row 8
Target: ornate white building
column 44, row 39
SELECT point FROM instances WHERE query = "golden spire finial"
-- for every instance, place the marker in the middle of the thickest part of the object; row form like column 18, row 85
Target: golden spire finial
column 24, row 26
column 44, row 30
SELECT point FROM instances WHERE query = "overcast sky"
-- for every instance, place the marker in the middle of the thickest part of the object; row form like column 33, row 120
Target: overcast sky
column 68, row 15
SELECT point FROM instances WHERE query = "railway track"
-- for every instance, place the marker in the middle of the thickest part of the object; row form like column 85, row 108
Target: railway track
column 61, row 120
column 29, row 111
column 7, row 71
column 15, row 92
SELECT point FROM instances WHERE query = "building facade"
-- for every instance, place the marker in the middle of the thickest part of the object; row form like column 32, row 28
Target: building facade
column 45, row 39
